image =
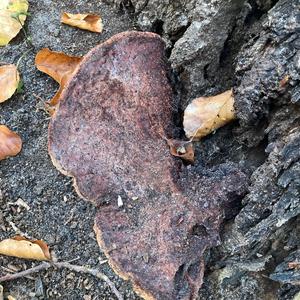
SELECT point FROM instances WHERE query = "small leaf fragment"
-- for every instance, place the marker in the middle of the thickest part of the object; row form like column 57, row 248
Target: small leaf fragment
column 283, row 82
column 12, row 17
column 9, row 81
column 183, row 149
column 294, row 265
column 59, row 66
column 23, row 248
column 206, row 114
column 10, row 142
column 1, row 292
column 89, row 22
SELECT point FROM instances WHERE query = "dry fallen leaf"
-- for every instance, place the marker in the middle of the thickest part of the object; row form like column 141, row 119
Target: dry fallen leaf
column 294, row 265
column 12, row 17
column 59, row 66
column 206, row 114
column 9, row 81
column 182, row 149
column 89, row 22
column 23, row 248
column 10, row 142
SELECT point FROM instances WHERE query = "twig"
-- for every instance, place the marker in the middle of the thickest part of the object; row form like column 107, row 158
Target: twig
column 45, row 107
column 69, row 219
column 27, row 38
column 17, row 275
column 22, row 56
column 75, row 268
column 18, row 230
column 94, row 272
column 39, row 98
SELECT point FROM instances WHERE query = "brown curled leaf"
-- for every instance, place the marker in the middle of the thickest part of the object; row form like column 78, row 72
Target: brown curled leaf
column 206, row 114
column 183, row 149
column 9, row 81
column 10, row 142
column 23, row 248
column 89, row 22
column 59, row 66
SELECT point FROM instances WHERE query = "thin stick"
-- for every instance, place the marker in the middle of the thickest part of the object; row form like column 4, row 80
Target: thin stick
column 17, row 275
column 94, row 272
column 22, row 56
column 75, row 268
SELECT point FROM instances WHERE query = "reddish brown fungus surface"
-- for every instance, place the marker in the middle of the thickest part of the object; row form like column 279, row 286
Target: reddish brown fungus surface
column 109, row 133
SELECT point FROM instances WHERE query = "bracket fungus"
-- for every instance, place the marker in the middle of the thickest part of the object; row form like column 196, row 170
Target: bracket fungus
column 109, row 133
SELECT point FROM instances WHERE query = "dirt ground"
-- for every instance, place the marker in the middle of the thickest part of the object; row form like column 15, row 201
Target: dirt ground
column 56, row 215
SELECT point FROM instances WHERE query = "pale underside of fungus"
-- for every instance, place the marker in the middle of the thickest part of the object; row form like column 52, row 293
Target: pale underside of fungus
column 109, row 133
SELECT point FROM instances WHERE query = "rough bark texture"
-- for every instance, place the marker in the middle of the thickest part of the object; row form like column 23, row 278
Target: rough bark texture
column 197, row 33
column 109, row 134
column 257, row 43
column 267, row 103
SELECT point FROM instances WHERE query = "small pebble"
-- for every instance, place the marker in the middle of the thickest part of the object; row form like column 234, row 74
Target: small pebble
column 120, row 201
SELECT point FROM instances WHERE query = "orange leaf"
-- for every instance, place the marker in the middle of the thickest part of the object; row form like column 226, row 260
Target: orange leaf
column 89, row 22
column 9, row 81
column 57, row 65
column 182, row 149
column 23, row 248
column 10, row 142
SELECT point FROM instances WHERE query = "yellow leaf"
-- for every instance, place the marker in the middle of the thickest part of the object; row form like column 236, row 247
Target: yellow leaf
column 10, row 142
column 12, row 18
column 89, row 22
column 9, row 81
column 206, row 114
column 59, row 66
column 23, row 248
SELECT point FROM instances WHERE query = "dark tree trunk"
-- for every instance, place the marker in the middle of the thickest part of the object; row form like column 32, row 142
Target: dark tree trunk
column 253, row 46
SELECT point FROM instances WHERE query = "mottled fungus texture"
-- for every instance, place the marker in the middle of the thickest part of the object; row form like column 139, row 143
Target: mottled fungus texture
column 109, row 133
